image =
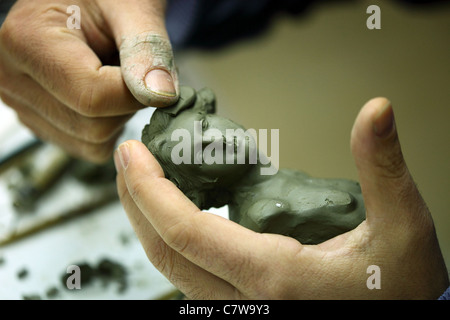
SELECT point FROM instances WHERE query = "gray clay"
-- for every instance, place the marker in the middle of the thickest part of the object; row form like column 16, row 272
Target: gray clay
column 289, row 202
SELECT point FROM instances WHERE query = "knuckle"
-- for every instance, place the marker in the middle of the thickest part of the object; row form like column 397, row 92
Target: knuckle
column 4, row 79
column 178, row 236
column 160, row 258
column 8, row 29
column 177, row 271
column 242, row 269
column 196, row 290
column 14, row 33
column 280, row 287
column 99, row 131
column 274, row 280
column 96, row 158
column 392, row 165
column 183, row 235
column 271, row 285
column 85, row 103
column 92, row 130
column 122, row 191
column 6, row 99
column 95, row 153
column 137, row 189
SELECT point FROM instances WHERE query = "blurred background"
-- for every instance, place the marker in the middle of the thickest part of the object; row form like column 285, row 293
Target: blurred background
column 307, row 75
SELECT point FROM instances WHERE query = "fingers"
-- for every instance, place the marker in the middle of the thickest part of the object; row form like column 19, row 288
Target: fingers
column 193, row 281
column 94, row 152
column 390, row 194
column 73, row 124
column 219, row 246
column 62, row 62
column 53, row 77
column 146, row 55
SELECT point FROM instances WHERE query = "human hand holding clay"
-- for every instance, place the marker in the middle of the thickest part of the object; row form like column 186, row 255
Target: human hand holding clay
column 63, row 83
column 209, row 257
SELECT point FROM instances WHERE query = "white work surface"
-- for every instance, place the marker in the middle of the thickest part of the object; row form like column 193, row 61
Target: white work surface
column 103, row 233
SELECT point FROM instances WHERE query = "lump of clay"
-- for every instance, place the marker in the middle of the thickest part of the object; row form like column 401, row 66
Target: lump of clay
column 289, row 202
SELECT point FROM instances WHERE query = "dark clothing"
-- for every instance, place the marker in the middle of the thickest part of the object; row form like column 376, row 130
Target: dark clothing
column 445, row 295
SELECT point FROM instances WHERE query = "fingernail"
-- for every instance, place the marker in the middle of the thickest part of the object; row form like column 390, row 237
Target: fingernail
column 160, row 82
column 383, row 122
column 124, row 154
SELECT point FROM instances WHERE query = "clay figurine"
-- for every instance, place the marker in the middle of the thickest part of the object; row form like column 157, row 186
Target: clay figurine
column 291, row 203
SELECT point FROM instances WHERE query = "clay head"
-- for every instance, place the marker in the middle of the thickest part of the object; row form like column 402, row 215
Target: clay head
column 193, row 146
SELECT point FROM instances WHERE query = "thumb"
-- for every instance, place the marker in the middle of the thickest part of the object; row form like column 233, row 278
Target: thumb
column 390, row 194
column 146, row 56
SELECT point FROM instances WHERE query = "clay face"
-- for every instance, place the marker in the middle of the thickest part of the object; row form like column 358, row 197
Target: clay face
column 193, row 137
column 289, row 202
column 184, row 131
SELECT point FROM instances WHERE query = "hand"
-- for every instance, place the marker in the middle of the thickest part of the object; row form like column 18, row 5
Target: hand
column 62, row 82
column 209, row 257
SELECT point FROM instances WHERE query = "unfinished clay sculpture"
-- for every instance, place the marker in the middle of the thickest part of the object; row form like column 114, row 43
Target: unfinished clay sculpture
column 288, row 202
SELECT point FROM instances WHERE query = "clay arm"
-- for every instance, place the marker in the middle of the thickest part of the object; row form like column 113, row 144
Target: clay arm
column 263, row 214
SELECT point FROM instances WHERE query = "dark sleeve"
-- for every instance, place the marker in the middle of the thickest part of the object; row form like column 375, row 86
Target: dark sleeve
column 215, row 23
column 445, row 295
column 5, row 5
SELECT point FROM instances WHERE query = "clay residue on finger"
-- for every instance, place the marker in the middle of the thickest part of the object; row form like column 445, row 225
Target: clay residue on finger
column 141, row 54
